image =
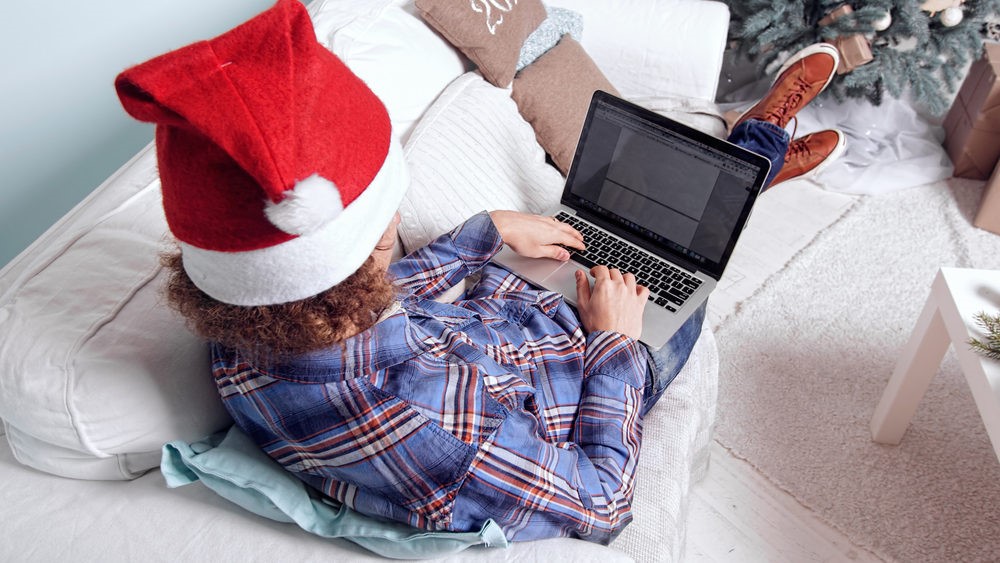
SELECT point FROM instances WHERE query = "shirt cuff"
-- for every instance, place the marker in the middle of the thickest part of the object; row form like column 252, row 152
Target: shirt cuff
column 476, row 241
column 616, row 355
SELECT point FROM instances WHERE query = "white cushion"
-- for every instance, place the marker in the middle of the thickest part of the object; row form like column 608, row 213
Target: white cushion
column 95, row 372
column 472, row 151
column 398, row 56
column 650, row 48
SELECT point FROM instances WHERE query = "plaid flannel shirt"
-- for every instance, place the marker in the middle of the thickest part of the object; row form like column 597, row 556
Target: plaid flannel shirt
column 445, row 415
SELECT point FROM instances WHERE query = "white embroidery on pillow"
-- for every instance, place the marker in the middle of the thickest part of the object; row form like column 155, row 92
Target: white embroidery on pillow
column 486, row 7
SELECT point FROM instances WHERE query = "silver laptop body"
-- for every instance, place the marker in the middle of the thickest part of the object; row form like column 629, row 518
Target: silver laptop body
column 655, row 198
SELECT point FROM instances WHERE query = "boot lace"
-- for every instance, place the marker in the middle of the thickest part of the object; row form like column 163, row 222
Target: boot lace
column 792, row 100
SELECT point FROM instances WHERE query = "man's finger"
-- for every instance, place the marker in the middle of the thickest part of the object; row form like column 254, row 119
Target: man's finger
column 554, row 251
column 600, row 272
column 570, row 230
column 582, row 289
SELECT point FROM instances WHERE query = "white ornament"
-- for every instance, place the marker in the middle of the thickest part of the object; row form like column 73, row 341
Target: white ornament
column 883, row 23
column 951, row 17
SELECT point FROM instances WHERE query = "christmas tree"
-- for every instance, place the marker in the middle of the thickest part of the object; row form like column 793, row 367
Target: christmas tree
column 921, row 47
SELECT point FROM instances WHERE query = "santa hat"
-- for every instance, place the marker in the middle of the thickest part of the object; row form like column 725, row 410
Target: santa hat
column 277, row 165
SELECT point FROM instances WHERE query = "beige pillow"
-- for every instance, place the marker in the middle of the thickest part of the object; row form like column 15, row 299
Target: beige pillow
column 489, row 32
column 553, row 94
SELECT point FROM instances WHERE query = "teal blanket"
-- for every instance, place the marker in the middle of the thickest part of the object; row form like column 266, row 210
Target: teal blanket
column 233, row 466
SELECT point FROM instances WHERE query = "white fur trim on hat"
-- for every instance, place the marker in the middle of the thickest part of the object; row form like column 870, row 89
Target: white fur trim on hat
column 312, row 203
column 310, row 263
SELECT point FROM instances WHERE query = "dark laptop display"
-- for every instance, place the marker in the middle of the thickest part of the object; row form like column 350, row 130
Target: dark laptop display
column 654, row 198
column 667, row 187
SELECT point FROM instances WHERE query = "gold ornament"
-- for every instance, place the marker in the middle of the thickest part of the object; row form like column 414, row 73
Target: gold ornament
column 935, row 6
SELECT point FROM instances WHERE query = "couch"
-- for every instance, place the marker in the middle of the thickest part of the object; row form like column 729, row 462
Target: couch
column 96, row 374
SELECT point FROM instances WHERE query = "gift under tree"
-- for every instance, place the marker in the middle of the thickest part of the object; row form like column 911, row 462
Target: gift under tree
column 917, row 47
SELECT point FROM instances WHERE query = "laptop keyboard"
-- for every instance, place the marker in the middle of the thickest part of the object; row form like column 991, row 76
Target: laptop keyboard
column 669, row 286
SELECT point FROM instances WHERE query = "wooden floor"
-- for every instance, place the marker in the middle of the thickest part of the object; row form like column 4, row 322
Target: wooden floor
column 737, row 515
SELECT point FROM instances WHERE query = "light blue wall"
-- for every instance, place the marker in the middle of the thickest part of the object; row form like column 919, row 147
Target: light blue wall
column 62, row 130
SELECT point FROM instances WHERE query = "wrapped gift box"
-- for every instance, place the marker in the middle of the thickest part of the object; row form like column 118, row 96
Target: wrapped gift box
column 988, row 216
column 972, row 126
column 855, row 49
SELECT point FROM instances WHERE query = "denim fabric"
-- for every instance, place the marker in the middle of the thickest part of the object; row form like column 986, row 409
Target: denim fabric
column 765, row 139
column 771, row 142
column 666, row 363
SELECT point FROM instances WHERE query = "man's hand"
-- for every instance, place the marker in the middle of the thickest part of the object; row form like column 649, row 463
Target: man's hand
column 615, row 303
column 536, row 236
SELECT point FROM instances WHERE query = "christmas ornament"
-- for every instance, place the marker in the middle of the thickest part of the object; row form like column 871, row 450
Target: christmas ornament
column 883, row 23
column 952, row 16
column 951, row 11
column 935, row 6
column 993, row 31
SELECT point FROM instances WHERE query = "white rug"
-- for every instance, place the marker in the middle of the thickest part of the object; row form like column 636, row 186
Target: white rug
column 805, row 356
column 784, row 221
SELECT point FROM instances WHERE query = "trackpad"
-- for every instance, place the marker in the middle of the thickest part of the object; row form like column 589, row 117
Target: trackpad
column 563, row 280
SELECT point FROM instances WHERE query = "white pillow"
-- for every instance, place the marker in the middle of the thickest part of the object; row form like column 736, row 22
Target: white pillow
column 96, row 373
column 401, row 59
column 650, row 48
column 471, row 152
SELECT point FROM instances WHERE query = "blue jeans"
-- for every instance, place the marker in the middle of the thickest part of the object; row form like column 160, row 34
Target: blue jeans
column 770, row 141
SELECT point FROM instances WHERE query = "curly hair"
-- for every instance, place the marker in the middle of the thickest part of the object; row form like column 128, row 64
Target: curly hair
column 276, row 331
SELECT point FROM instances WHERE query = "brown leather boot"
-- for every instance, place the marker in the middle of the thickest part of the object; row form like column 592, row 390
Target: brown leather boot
column 803, row 76
column 810, row 154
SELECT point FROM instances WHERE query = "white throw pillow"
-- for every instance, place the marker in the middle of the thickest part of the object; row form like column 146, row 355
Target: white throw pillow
column 471, row 152
column 398, row 56
column 96, row 373
column 650, row 48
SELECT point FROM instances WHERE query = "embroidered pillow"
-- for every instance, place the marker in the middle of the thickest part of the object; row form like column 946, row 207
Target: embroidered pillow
column 559, row 22
column 553, row 94
column 489, row 32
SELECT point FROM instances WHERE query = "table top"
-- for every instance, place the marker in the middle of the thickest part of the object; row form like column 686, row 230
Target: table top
column 965, row 292
column 962, row 293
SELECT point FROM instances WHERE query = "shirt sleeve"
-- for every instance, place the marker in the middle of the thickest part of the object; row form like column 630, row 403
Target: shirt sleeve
column 582, row 487
column 445, row 261
column 608, row 426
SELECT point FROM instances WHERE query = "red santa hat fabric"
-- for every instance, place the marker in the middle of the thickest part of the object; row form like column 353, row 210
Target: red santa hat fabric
column 277, row 164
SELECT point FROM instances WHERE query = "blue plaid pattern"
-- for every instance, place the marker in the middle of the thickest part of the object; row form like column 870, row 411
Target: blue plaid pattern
column 445, row 415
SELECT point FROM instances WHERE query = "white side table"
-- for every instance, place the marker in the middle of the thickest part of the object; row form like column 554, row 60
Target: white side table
column 957, row 295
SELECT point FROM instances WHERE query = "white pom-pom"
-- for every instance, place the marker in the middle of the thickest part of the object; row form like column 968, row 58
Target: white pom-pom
column 313, row 203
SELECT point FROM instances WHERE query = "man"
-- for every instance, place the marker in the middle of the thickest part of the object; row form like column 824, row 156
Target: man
column 280, row 183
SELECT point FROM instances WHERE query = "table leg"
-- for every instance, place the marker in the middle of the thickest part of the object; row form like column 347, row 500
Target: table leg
column 918, row 364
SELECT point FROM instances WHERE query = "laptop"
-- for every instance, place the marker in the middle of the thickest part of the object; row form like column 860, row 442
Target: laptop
column 656, row 198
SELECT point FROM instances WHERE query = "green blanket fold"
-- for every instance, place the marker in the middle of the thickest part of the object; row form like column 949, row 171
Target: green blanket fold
column 230, row 464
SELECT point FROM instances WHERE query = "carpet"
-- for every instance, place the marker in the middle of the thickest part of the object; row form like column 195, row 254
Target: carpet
column 783, row 222
column 806, row 353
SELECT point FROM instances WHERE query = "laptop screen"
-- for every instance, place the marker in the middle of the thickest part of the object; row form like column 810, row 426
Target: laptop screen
column 683, row 192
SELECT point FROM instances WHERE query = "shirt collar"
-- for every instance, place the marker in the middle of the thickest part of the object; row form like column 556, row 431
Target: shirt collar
column 391, row 341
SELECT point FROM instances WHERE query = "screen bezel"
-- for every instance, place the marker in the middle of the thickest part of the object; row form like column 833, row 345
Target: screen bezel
column 707, row 266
